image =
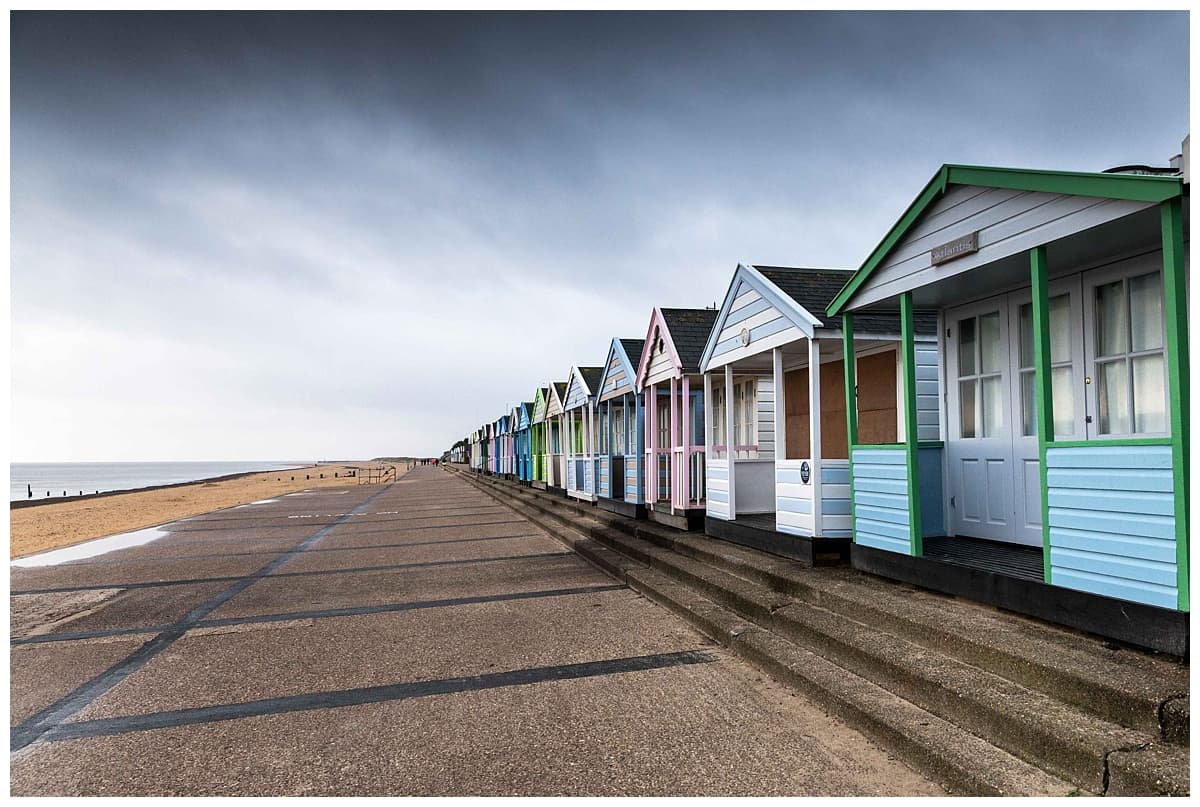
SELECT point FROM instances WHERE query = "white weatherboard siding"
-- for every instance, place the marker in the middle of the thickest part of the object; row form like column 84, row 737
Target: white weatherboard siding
column 717, row 474
column 766, row 417
column 1009, row 222
column 928, row 396
column 793, row 499
column 767, row 326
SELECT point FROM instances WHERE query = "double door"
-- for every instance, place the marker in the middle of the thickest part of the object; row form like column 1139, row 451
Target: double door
column 992, row 446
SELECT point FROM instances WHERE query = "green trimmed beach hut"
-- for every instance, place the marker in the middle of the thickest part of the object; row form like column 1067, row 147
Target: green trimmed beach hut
column 1058, row 482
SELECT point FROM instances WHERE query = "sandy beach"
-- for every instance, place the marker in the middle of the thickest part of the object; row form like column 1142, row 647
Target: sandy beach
column 53, row 525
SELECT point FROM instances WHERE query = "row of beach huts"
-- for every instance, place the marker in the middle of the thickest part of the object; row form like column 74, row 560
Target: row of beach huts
column 993, row 405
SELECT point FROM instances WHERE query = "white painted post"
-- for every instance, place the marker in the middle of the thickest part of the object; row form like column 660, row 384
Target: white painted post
column 780, row 419
column 814, row 430
column 730, row 440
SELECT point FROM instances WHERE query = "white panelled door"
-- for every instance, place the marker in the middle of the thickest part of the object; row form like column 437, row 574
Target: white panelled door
column 995, row 480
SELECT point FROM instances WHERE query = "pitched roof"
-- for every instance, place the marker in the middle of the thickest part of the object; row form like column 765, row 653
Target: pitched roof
column 1136, row 187
column 633, row 349
column 560, row 387
column 689, row 328
column 591, row 377
column 815, row 289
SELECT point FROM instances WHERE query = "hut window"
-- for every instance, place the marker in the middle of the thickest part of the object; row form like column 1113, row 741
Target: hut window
column 981, row 401
column 718, row 417
column 745, row 413
column 1130, row 371
column 617, row 413
column 1061, row 368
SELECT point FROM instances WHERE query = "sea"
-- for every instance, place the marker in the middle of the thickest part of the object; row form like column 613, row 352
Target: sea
column 89, row 477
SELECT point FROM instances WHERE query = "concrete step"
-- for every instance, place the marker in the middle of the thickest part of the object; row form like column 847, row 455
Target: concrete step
column 1036, row 727
column 988, row 674
column 1124, row 686
column 1159, row 769
column 964, row 763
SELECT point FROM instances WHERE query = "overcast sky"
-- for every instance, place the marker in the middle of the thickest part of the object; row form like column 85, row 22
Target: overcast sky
column 342, row 236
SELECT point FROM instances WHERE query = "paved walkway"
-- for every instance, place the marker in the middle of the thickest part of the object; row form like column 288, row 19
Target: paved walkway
column 415, row 638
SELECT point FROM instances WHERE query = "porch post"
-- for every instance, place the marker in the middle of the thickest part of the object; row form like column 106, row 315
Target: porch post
column 730, row 442
column 674, row 441
column 814, row 431
column 848, row 368
column 708, row 432
column 780, row 422
column 652, row 443
column 1178, row 381
column 908, row 347
column 1043, row 396
column 686, row 433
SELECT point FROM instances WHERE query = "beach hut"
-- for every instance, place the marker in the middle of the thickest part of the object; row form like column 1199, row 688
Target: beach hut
column 622, row 431
column 499, row 458
column 537, row 438
column 582, row 426
column 510, row 445
column 522, row 442
column 669, row 375
column 556, row 458
column 479, row 454
column 777, row 459
column 1056, row 482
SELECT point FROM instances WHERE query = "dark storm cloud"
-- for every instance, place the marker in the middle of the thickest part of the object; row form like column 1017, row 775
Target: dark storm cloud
column 226, row 180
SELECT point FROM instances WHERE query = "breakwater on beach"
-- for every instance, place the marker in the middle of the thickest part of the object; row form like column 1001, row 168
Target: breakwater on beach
column 52, row 479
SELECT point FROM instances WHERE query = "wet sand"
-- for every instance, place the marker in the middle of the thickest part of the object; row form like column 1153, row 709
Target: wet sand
column 58, row 524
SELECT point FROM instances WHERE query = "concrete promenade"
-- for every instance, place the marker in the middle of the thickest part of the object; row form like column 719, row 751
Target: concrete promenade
column 415, row 638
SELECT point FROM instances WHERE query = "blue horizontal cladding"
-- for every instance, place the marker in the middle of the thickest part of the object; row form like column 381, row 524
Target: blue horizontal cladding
column 890, row 515
column 872, row 471
column 792, row 505
column 1133, row 546
column 1132, row 569
column 880, row 493
column 836, row 533
column 761, row 332
column 835, row 476
column 1161, row 596
column 717, row 472
column 718, row 496
column 1140, row 502
column 1151, row 480
column 1109, row 457
column 1112, row 521
column 866, row 536
column 745, row 312
column 835, row 506
column 870, row 484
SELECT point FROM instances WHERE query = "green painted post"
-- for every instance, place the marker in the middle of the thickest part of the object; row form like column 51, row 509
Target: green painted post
column 1175, row 299
column 1043, row 398
column 911, row 443
column 848, row 368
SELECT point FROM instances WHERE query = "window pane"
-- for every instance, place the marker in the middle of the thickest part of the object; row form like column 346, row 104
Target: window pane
column 1112, row 392
column 966, row 347
column 1063, row 391
column 993, row 407
column 989, row 343
column 966, row 407
column 1060, row 328
column 1026, row 334
column 1149, row 394
column 1110, row 319
column 1028, row 411
column 1146, row 313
